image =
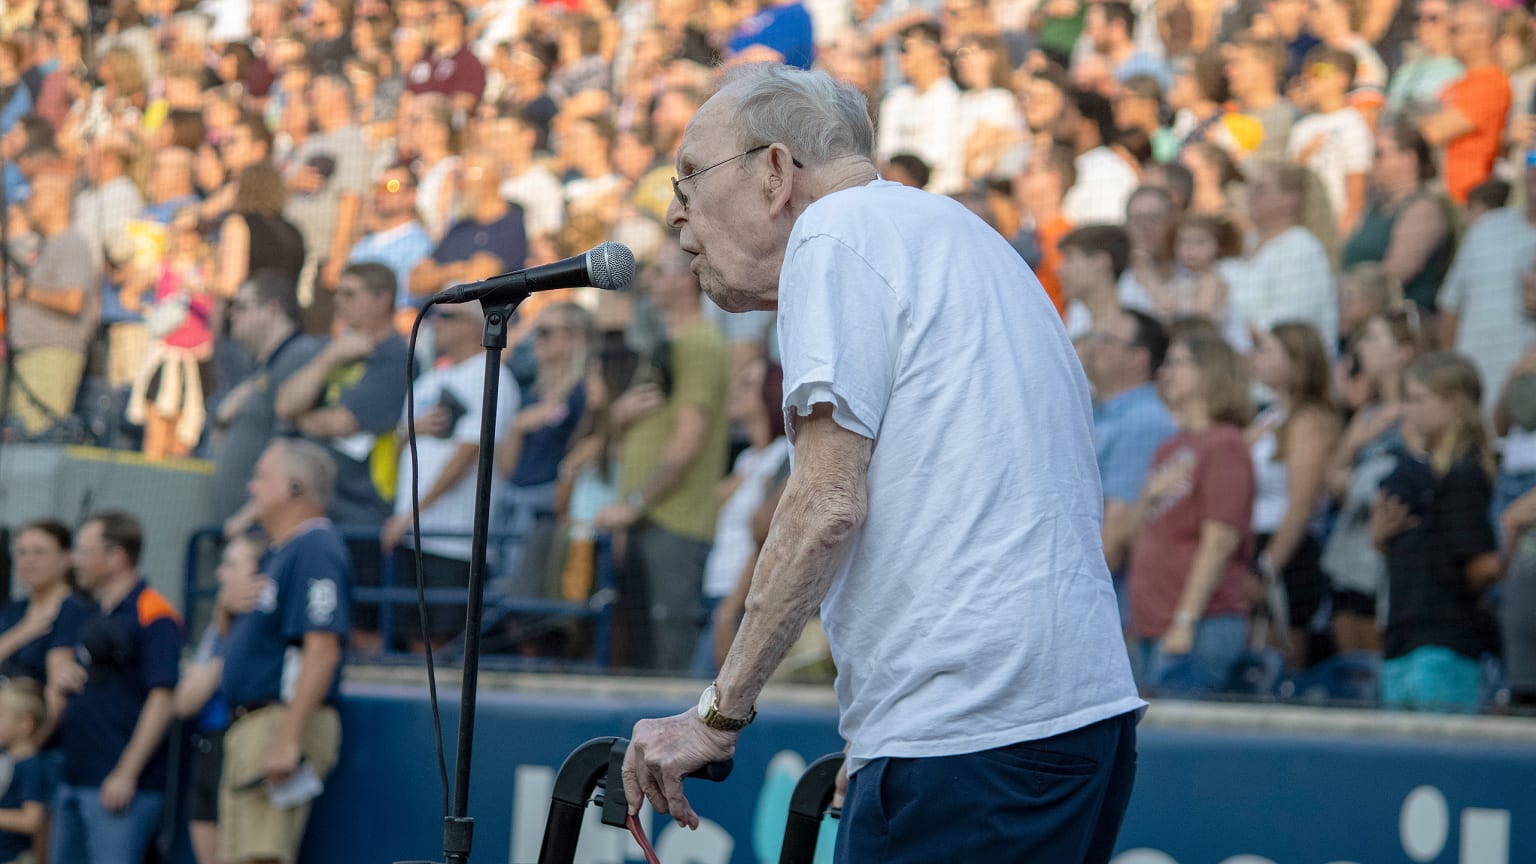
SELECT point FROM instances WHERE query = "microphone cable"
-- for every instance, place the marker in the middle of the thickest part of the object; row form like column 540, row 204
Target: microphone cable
column 421, row 593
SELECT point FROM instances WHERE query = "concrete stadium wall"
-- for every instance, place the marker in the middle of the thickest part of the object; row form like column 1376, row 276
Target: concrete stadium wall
column 1217, row 784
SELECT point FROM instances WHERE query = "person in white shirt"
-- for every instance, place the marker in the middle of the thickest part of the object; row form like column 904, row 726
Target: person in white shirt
column 1105, row 180
column 922, row 117
column 975, row 636
column 1334, row 141
column 1287, row 275
column 448, row 405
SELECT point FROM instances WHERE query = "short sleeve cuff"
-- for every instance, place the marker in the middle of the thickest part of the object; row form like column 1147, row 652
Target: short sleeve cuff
column 848, row 413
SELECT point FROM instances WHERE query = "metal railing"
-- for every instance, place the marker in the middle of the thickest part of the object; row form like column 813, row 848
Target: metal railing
column 388, row 595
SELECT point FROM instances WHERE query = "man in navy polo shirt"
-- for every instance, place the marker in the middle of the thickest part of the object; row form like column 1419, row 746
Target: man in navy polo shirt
column 282, row 665
column 114, row 658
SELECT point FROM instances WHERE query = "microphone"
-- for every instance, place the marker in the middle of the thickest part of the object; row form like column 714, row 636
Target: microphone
column 609, row 266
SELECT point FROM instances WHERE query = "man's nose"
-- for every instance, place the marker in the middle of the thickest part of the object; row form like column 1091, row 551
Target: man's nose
column 676, row 215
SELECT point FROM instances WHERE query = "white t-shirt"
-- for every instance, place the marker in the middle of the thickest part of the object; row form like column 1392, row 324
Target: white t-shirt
column 540, row 195
column 1346, row 148
column 1483, row 288
column 927, row 125
column 1288, row 279
column 973, row 609
column 1104, row 185
column 733, row 544
column 453, row 513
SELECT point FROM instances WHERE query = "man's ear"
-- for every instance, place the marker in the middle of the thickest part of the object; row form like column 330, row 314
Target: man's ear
column 779, row 180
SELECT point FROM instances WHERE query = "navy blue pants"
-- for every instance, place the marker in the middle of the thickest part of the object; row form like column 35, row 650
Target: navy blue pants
column 1057, row 800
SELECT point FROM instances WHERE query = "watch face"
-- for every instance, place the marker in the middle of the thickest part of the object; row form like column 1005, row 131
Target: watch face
column 706, row 700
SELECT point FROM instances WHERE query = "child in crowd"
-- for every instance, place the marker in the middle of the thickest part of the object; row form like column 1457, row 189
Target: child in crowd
column 22, row 810
column 1334, row 142
column 1365, row 290
column 199, row 698
column 1202, row 243
column 1430, row 520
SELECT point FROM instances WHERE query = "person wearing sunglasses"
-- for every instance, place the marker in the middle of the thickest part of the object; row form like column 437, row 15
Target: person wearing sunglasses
column 920, row 355
column 1416, row 85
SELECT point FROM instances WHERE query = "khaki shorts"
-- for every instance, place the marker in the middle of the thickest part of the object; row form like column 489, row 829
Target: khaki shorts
column 250, row 828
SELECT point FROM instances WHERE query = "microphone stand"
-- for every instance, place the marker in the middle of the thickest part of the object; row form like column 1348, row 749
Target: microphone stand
column 459, row 828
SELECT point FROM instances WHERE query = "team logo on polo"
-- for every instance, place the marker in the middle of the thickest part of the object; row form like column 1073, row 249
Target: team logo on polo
column 322, row 601
column 267, row 602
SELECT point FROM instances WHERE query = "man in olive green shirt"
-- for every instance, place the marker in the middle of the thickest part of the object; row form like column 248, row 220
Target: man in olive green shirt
column 672, row 454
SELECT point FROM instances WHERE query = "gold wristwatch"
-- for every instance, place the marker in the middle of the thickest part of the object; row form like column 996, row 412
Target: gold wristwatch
column 709, row 712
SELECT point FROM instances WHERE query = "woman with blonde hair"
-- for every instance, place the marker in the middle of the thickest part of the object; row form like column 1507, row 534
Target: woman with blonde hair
column 1290, row 443
column 1192, row 529
column 1367, row 452
column 1430, row 520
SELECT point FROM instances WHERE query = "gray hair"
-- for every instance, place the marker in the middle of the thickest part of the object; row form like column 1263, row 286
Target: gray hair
column 811, row 113
column 310, row 468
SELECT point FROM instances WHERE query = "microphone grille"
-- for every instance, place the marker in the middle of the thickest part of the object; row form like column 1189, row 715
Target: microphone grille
column 611, row 266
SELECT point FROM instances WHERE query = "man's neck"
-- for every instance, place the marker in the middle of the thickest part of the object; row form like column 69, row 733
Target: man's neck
column 448, row 49
column 1258, row 100
column 1269, row 231
column 379, row 331
column 1118, row 388
column 327, row 125
column 120, row 585
column 284, row 526
column 489, row 209
column 1102, row 301
column 21, row 749
column 54, row 225
column 1118, row 54
column 925, row 81
column 278, row 337
column 680, row 315
column 1330, row 104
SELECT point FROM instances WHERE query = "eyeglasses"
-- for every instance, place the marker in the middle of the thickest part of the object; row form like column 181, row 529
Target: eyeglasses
column 682, row 198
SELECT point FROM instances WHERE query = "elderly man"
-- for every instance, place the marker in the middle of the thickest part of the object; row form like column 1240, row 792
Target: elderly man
column 985, row 694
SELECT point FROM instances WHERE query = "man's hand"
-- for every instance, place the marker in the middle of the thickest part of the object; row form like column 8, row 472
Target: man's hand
column 482, row 265
column 240, row 596
column 349, row 346
column 616, row 517
column 1178, row 640
column 435, row 422
column 395, row 528
column 117, row 791
column 68, row 678
column 662, row 752
column 637, row 402
column 282, row 760
column 1389, row 518
column 840, row 788
column 330, row 274
column 307, row 181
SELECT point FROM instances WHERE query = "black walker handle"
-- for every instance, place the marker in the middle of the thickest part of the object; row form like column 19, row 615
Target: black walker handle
column 599, row 762
column 807, row 804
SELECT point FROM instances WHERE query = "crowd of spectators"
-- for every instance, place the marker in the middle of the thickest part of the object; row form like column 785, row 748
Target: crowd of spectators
column 1293, row 241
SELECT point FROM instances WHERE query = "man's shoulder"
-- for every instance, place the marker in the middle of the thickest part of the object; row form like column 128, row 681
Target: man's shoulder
column 392, row 350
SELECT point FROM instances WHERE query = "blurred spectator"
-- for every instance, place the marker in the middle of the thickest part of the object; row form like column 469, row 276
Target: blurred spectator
column 1416, row 85
column 103, row 208
column 54, row 306
column 1288, row 275
column 452, row 69
column 112, row 731
column 23, row 718
column 65, row 83
column 922, row 116
column 395, row 238
column 282, row 666
column 199, row 698
column 991, row 126
column 1334, row 141
column 1365, row 290
column 555, row 408
column 1041, row 190
column 531, row 186
column 1043, row 98
column 330, row 37
column 580, row 64
column 1430, row 519
column 326, row 175
column 40, row 553
column 167, row 394
column 1409, row 228
column 1198, row 98
column 1470, row 123
column 1254, row 68
column 1190, row 533
column 908, row 170
column 1105, row 178
column 1129, row 420
column 1110, row 27
column 1517, row 618
column 426, row 143
column 1150, row 223
column 1173, row 178
column 449, row 405
column 348, row 398
column 25, row 147
column 1485, row 197
column 1206, row 248
column 1291, row 441
column 1515, row 53
column 264, row 321
column 489, row 239
column 756, row 402
column 1365, row 455
column 1337, row 23
column 15, row 97
column 1139, row 108
column 527, row 94
column 783, row 27
column 255, row 236
column 672, row 452
column 1481, row 308
column 1093, row 258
